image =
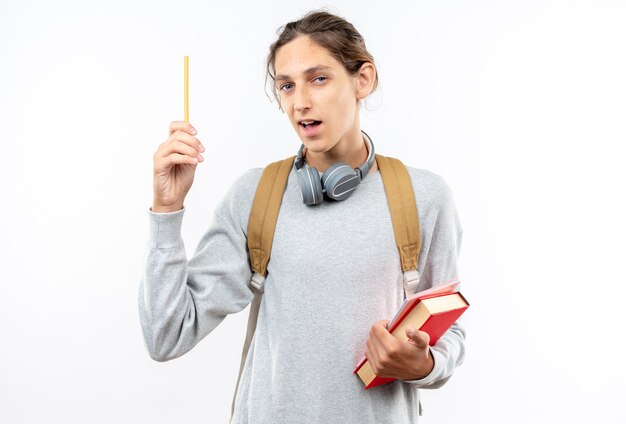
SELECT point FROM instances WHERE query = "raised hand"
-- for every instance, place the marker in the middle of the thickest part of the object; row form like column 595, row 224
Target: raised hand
column 175, row 164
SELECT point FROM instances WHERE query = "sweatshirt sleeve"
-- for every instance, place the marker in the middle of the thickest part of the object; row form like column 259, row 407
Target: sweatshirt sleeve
column 439, row 257
column 181, row 301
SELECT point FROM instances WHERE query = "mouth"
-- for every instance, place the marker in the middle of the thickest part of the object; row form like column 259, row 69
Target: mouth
column 309, row 123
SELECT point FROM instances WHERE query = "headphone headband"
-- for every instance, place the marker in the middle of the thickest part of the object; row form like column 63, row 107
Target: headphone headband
column 369, row 162
column 338, row 181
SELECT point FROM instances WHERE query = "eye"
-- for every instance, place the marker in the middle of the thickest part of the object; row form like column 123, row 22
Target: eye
column 282, row 87
column 322, row 79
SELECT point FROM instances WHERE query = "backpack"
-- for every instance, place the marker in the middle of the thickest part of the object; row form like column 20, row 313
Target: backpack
column 264, row 214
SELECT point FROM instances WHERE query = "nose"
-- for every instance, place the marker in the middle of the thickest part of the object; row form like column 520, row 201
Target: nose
column 301, row 99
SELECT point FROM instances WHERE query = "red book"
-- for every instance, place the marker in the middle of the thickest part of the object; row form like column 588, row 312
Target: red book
column 433, row 311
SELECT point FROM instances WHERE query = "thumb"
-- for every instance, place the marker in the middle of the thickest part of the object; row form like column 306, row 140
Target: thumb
column 417, row 338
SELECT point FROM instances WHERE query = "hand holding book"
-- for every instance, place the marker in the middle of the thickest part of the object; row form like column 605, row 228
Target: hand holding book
column 393, row 352
column 392, row 358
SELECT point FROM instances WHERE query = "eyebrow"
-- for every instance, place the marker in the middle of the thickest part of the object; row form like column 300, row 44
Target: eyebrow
column 309, row 71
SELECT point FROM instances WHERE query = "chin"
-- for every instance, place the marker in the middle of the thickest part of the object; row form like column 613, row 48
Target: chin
column 316, row 146
column 322, row 144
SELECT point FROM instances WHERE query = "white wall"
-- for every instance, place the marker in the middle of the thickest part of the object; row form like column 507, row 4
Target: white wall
column 519, row 105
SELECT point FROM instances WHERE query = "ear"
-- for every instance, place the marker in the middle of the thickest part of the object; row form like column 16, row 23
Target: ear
column 364, row 80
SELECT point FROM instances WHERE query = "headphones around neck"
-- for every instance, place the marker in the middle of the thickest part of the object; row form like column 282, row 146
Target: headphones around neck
column 337, row 182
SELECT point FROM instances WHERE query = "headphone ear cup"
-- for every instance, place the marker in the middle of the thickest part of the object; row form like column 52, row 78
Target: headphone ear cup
column 310, row 186
column 339, row 181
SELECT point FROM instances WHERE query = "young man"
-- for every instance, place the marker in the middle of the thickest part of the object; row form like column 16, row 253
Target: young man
column 334, row 276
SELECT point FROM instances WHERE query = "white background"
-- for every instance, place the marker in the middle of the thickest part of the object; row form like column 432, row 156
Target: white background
column 519, row 105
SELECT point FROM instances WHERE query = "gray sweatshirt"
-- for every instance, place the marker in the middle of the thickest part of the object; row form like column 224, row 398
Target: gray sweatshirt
column 334, row 272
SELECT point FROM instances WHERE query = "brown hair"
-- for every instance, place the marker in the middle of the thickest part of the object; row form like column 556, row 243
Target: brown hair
column 332, row 32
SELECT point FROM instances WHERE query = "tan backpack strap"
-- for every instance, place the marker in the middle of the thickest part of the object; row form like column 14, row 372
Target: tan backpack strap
column 261, row 226
column 263, row 216
column 252, row 319
column 403, row 210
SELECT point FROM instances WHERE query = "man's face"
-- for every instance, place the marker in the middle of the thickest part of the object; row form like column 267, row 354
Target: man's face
column 314, row 86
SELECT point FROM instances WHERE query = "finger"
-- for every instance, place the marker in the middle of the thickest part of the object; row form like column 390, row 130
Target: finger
column 386, row 345
column 373, row 355
column 381, row 325
column 421, row 339
column 188, row 139
column 177, row 159
column 182, row 126
column 177, row 146
column 380, row 332
column 166, row 161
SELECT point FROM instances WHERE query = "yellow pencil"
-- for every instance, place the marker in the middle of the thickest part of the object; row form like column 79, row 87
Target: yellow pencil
column 186, row 88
